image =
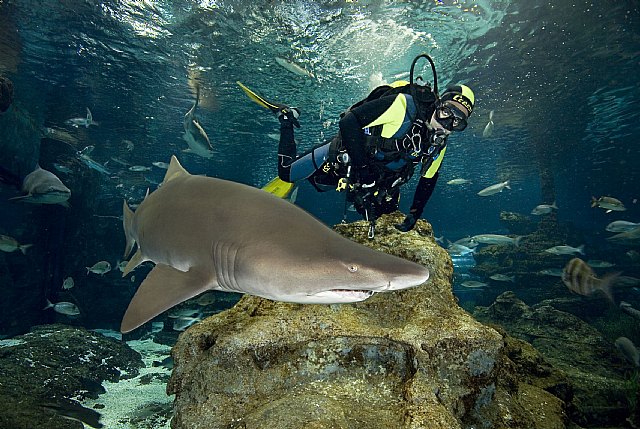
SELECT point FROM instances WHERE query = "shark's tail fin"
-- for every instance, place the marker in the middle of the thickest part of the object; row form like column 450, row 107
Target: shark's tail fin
column 127, row 221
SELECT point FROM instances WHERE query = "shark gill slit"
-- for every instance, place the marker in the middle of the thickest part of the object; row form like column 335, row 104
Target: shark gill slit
column 224, row 256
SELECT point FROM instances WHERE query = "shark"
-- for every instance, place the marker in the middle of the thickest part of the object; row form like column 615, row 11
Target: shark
column 205, row 233
column 43, row 187
column 195, row 136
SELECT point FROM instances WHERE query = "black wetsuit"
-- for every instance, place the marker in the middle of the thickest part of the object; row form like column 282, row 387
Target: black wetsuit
column 385, row 136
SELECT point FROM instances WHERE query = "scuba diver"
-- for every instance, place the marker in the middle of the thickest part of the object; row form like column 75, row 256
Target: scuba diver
column 382, row 139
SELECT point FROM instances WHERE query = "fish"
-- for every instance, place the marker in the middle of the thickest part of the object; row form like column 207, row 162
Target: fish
column 554, row 272
column 543, row 209
column 494, row 189
column 119, row 161
column 488, row 129
column 503, row 278
column 121, row 265
column 160, row 164
column 128, row 144
column 195, row 136
column 68, row 283
column 139, row 168
column 596, row 263
column 621, row 226
column 83, row 155
column 203, row 234
column 82, row 122
column 459, row 250
column 72, row 410
column 10, row 244
column 62, row 168
column 63, row 307
column 627, row 238
column 293, row 67
column 628, row 309
column 608, row 203
column 496, row 239
column 43, row 187
column 473, row 284
column 458, row 181
column 207, row 298
column 565, row 250
column 165, row 363
column 182, row 323
column 580, row 278
column 628, row 350
column 101, row 268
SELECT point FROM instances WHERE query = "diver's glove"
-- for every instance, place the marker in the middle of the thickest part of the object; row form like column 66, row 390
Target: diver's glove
column 289, row 116
column 408, row 224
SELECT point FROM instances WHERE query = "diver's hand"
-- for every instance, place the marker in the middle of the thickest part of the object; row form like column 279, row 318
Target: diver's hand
column 408, row 223
column 289, row 115
column 364, row 177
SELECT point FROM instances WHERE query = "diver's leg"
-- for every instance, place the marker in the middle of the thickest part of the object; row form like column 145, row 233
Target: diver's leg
column 287, row 146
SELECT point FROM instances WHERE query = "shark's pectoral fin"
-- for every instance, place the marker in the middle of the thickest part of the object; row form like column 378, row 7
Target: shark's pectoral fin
column 135, row 260
column 163, row 288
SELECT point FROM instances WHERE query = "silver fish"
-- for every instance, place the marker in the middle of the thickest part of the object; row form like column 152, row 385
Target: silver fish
column 621, row 226
column 139, row 168
column 488, row 129
column 160, row 164
column 503, row 278
column 66, row 308
column 293, row 67
column 68, row 283
column 496, row 239
column 608, row 203
column 565, row 250
column 195, row 136
column 10, row 244
column 458, row 181
column 82, row 122
column 473, row 284
column 494, row 189
column 101, row 268
column 543, row 209
column 627, row 238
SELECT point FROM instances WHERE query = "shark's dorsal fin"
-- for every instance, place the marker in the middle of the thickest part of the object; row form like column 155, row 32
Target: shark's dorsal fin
column 175, row 170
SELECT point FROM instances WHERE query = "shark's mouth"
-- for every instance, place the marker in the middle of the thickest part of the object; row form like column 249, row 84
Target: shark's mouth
column 354, row 292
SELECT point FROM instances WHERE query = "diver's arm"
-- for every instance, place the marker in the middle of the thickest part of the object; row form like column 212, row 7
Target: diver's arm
column 424, row 190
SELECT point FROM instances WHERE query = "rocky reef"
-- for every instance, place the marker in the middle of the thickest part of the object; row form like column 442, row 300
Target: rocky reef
column 43, row 372
column 405, row 359
column 597, row 374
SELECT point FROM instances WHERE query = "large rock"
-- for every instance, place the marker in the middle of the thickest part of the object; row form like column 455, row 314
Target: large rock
column 594, row 368
column 407, row 359
column 44, row 371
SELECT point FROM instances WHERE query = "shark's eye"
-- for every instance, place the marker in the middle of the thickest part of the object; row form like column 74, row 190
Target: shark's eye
column 353, row 268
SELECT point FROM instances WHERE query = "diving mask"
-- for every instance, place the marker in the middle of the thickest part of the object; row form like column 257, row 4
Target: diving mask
column 451, row 118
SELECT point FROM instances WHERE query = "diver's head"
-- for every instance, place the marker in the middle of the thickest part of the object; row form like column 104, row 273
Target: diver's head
column 6, row 94
column 454, row 108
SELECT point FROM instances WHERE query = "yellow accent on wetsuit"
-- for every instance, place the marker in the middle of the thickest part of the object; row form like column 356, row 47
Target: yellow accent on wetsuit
column 392, row 119
column 435, row 166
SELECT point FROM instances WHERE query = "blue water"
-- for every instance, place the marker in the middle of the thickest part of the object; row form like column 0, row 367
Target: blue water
column 560, row 76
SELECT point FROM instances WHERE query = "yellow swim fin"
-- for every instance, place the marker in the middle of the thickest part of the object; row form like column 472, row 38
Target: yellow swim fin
column 279, row 187
column 259, row 100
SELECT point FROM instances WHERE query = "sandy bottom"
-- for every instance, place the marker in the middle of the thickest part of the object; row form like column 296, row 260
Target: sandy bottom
column 139, row 402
